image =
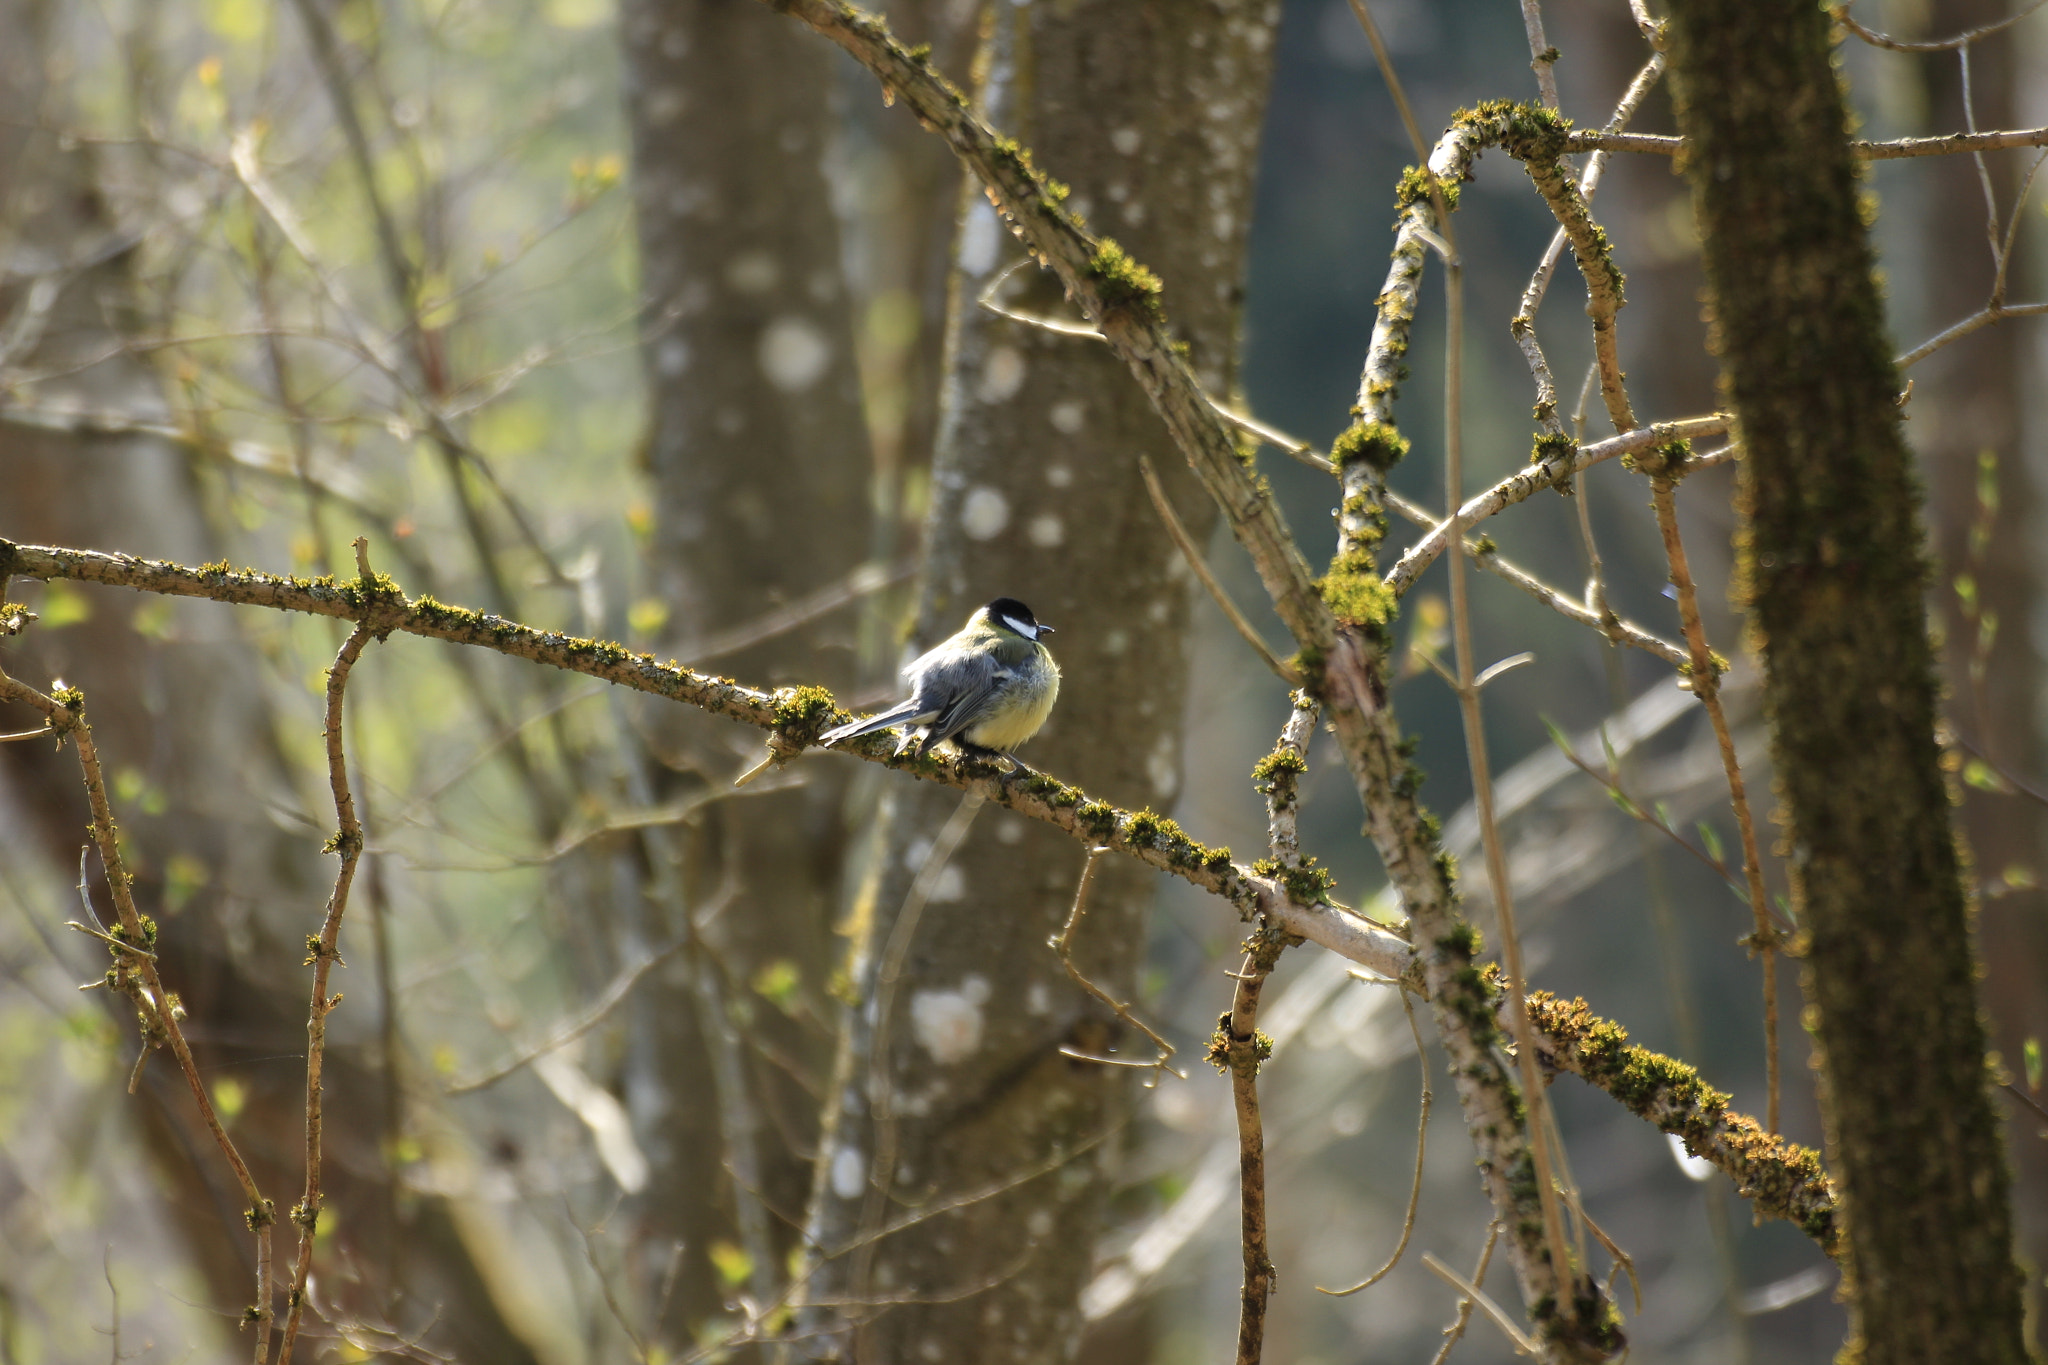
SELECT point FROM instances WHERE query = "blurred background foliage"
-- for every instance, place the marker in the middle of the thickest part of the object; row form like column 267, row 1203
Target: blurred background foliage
column 222, row 344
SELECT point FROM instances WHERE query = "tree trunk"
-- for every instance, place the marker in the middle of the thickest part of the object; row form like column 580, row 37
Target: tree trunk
column 1833, row 565
column 956, row 1084
column 761, row 468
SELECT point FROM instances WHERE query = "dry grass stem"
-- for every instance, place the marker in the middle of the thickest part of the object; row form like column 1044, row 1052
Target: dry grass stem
column 1197, row 561
column 1421, row 1148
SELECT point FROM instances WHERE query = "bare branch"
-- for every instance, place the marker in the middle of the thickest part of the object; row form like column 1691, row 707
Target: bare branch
column 1948, row 144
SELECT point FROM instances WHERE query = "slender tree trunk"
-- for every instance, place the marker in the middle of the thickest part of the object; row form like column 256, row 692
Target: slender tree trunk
column 761, row 468
column 956, row 1084
column 1834, row 568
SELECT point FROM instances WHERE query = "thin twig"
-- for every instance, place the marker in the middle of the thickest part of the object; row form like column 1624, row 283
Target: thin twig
column 1978, row 320
column 1517, row 1338
column 1063, row 943
column 1946, row 144
column 1542, row 56
column 1421, row 1147
column 1706, row 685
column 135, row 975
column 1466, row 1304
column 1196, row 561
column 1960, row 41
column 1526, row 482
column 1238, row 1049
column 1533, row 1094
column 322, row 952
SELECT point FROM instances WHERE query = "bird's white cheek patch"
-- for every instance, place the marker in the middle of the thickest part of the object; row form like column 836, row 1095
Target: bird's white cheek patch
column 948, row 1024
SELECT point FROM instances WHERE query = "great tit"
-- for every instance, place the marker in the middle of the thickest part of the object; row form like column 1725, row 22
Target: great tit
column 987, row 688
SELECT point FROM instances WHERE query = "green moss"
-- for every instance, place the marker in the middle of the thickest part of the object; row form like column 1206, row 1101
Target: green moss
column 1461, row 940
column 1281, row 760
column 1307, row 883
column 1662, row 461
column 802, row 713
column 1148, row 829
column 1413, row 188
column 1527, row 132
column 1097, row 817
column 1378, row 444
column 1356, row 594
column 1121, row 282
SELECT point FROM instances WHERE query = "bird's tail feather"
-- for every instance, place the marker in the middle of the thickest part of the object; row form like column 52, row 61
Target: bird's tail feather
column 895, row 715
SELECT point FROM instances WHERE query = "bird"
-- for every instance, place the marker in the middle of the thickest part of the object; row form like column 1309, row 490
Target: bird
column 987, row 688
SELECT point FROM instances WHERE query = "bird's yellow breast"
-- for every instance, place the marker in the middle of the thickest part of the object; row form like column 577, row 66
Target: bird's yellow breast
column 1018, row 716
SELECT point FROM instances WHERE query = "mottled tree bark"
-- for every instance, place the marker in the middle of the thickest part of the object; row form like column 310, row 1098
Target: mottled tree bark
column 956, row 1083
column 1834, row 568
column 761, row 469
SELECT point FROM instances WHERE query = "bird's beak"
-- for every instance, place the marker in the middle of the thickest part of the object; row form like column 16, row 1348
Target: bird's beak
column 1045, row 630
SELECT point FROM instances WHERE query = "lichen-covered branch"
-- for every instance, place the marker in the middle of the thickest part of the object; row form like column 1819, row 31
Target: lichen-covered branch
column 793, row 716
column 1552, row 464
column 1782, row 1179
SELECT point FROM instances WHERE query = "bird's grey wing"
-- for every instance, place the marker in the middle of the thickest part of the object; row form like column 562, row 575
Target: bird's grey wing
column 958, row 691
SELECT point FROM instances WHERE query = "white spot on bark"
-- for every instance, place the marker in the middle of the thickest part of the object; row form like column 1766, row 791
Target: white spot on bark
column 794, row 353
column 1067, row 418
column 1058, row 475
column 1046, row 531
column 753, row 272
column 666, row 105
column 984, row 513
column 980, row 239
column 1225, row 224
column 948, row 1024
column 849, row 1172
column 1002, row 374
column 1126, row 140
column 1162, row 766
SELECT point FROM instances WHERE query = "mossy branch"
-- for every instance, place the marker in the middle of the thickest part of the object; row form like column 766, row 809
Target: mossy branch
column 793, row 716
column 1783, row 1179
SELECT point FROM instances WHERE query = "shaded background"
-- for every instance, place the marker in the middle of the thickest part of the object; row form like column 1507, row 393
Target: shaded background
column 560, row 283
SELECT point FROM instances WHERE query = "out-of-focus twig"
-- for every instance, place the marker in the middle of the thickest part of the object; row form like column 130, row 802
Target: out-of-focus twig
column 1062, row 943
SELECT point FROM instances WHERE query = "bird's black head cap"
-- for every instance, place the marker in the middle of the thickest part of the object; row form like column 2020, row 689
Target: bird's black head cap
column 1016, row 611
